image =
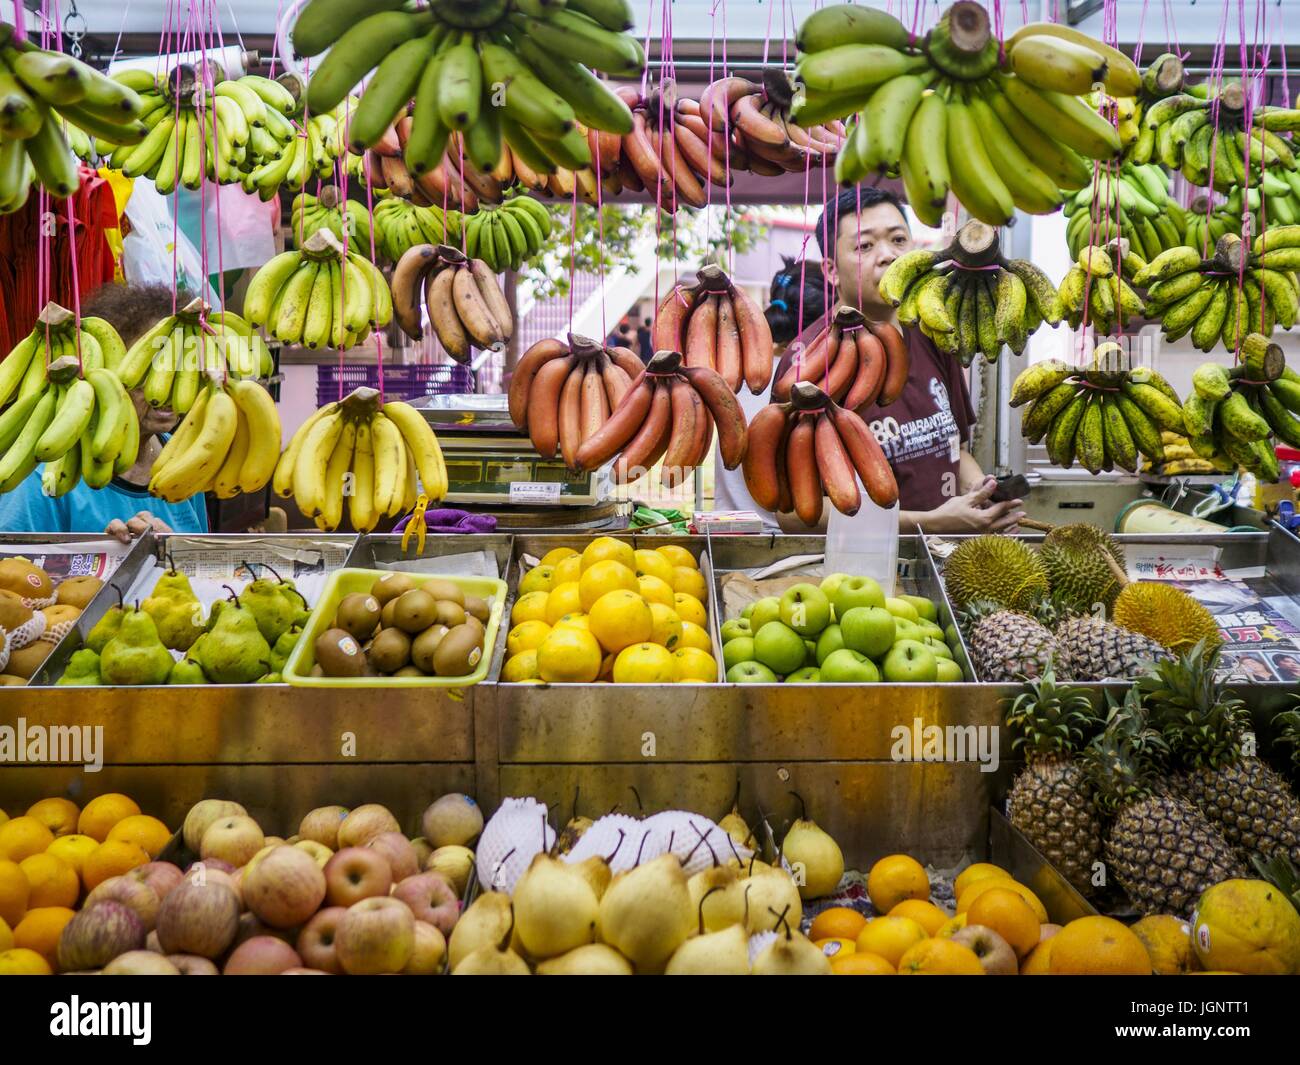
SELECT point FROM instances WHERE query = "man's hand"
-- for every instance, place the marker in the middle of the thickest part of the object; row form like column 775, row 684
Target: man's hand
column 142, row 523
column 973, row 513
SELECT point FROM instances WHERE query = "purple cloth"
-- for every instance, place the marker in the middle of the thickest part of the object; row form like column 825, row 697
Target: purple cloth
column 452, row 521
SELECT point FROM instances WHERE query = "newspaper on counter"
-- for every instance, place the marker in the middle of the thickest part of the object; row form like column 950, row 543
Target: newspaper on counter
column 86, row 558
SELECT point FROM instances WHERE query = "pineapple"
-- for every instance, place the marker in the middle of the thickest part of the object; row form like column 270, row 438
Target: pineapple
column 1049, row 799
column 1094, row 649
column 1250, row 803
column 1159, row 848
column 1007, row 645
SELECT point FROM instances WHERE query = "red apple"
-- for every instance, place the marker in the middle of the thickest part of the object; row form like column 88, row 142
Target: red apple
column 250, row 926
column 193, row 965
column 232, row 839
column 204, row 813
column 201, row 868
column 161, row 876
column 151, row 942
column 198, row 919
column 994, row 952
column 316, row 940
column 375, row 936
column 303, row 972
column 285, row 888
column 356, row 873
column 130, row 892
column 429, row 953
column 140, row 963
column 431, row 899
column 322, row 825
column 261, row 956
column 402, row 859
column 98, row 934
column 365, row 823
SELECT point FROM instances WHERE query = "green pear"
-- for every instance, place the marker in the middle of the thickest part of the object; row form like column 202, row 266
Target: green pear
column 235, row 651
column 271, row 678
column 83, row 669
column 283, row 648
column 214, row 614
column 176, row 610
column 136, row 655
column 187, row 671
column 106, row 627
column 273, row 609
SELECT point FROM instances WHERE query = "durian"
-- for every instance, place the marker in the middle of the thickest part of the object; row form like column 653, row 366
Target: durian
column 1167, row 615
column 996, row 568
column 1084, row 566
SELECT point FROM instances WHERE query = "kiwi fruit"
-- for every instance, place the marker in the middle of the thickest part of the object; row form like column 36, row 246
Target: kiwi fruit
column 339, row 655
column 358, row 614
column 410, row 671
column 424, row 646
column 77, row 591
column 27, row 660
column 390, row 650
column 450, row 614
column 477, row 607
column 416, row 610
column 458, row 652
column 316, row 671
column 444, row 589
column 474, row 623
column 390, row 586
column 386, row 615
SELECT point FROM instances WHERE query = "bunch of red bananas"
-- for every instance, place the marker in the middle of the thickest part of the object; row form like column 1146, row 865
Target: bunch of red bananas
column 856, row 362
column 716, row 324
column 455, row 182
column 812, row 447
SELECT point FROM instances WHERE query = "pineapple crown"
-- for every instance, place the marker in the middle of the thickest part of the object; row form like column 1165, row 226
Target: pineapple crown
column 1121, row 762
column 1048, row 718
column 1288, row 725
column 1202, row 724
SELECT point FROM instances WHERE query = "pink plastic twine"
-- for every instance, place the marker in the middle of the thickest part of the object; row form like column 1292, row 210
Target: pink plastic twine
column 72, row 237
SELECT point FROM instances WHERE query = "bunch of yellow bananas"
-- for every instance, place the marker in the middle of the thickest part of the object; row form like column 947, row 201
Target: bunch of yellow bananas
column 319, row 296
column 304, row 144
column 43, row 96
column 66, row 408
column 1097, row 288
column 228, row 443
column 943, row 114
column 367, row 455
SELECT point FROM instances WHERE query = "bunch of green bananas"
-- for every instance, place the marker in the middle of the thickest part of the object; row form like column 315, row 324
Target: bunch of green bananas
column 173, row 358
column 1132, row 202
column 452, row 56
column 318, row 296
column 66, row 407
column 503, row 237
column 1163, row 77
column 946, row 116
column 401, row 225
column 43, row 95
column 970, row 304
column 1096, row 288
column 1229, row 295
column 306, row 144
column 1236, row 412
column 308, row 214
column 1104, row 415
column 1205, row 223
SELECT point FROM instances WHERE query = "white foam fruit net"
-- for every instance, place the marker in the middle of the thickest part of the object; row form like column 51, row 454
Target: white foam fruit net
column 516, row 834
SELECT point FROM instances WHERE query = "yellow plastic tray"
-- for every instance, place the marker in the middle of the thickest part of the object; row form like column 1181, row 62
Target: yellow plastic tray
column 297, row 670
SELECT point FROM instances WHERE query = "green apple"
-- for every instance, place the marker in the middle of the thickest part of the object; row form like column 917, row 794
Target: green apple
column 831, row 639
column 847, row 666
column 949, row 671
column 924, row 607
column 939, row 648
column 810, row 648
column 765, row 610
column 749, row 609
column 736, row 627
column 951, row 637
column 900, row 608
column 807, row 675
column 806, row 609
column 779, row 648
column 907, row 630
column 829, row 584
column 750, row 673
column 930, row 629
column 855, row 592
column 869, row 630
column 741, row 649
column 911, row 662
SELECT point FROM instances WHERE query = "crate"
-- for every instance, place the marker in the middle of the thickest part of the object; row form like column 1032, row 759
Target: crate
column 400, row 382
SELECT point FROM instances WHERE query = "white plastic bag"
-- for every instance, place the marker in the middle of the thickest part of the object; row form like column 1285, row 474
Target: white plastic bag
column 147, row 250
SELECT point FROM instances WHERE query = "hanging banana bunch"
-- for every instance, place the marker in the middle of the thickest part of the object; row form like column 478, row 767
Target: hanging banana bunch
column 464, row 304
column 1096, row 288
column 400, row 226
column 504, row 237
column 309, row 214
column 1165, row 76
column 1132, row 202
column 365, row 456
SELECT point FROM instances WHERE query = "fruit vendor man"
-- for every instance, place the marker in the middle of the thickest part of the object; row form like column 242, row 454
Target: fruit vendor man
column 925, row 433
column 123, row 508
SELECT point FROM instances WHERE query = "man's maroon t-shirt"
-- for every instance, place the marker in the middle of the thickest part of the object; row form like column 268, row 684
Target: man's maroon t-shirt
column 923, row 430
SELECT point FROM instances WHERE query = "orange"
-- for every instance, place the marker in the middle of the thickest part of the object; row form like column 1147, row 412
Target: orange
column 72, row 849
column 40, row 929
column 606, row 548
column 520, row 668
column 989, row 883
column 926, row 914
column 604, row 577
column 150, row 833
column 24, row 963
column 678, row 555
column 576, row 620
column 835, row 947
column 568, row 656
column 653, row 564
column 690, row 609
column 537, row 579
column 838, row 922
column 556, row 555
column 691, row 581
column 1098, row 946
column 940, row 957
column 1039, row 962
column 526, row 636
column 619, row 619
column 1169, row 944
column 667, row 630
column 104, row 811
column 111, row 859
column 895, row 878
column 1009, row 916
column 694, row 636
column 861, row 963
column 975, row 872
column 58, row 815
column 606, row 674
column 53, row 881
column 654, row 590
column 564, row 599
column 6, row 937
column 14, row 893
column 529, row 607
column 22, row 837
column 890, row 937
column 951, row 926
column 568, row 569
column 690, row 663
column 644, row 663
